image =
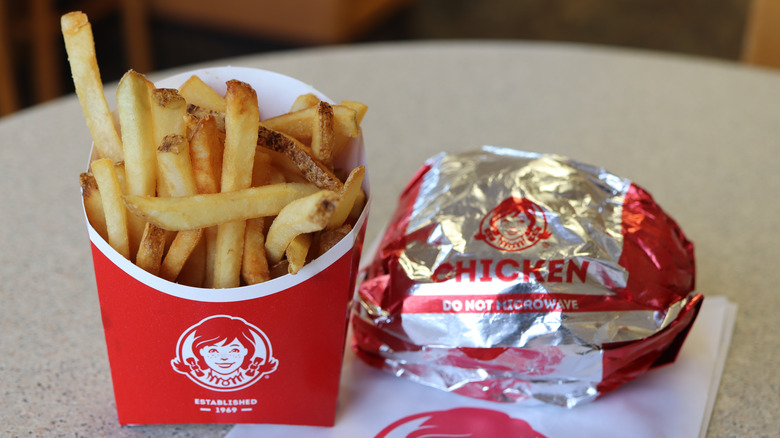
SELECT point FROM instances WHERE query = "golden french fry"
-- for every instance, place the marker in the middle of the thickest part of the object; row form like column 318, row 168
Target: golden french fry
column 93, row 205
column 173, row 160
column 200, row 112
column 357, row 207
column 206, row 151
column 328, row 238
column 304, row 215
column 279, row 269
column 205, row 210
column 304, row 101
column 341, row 141
column 301, row 155
column 175, row 167
column 323, row 137
column 210, row 238
column 297, row 251
column 193, row 273
column 261, row 170
column 116, row 215
column 181, row 248
column 135, row 118
column 348, row 197
column 230, row 251
column 197, row 92
column 283, row 165
column 359, row 107
column 168, row 111
column 254, row 266
column 80, row 46
column 150, row 251
column 242, row 119
column 298, row 124
column 119, row 169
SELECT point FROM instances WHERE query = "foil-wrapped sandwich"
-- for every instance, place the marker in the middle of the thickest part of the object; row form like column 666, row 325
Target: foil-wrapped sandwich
column 523, row 277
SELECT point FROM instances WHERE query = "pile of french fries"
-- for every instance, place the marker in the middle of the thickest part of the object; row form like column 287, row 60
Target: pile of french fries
column 192, row 187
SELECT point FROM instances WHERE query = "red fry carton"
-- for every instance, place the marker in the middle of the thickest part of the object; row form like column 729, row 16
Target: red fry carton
column 268, row 353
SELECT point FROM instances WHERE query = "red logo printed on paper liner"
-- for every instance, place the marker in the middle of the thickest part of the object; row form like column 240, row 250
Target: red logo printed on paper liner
column 514, row 225
column 460, row 422
column 224, row 353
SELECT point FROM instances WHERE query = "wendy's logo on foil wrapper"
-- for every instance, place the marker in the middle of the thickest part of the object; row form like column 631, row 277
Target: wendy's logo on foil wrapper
column 459, row 422
column 514, row 225
column 224, row 353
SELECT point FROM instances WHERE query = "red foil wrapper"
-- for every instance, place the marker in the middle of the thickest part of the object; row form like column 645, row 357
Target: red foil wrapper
column 522, row 277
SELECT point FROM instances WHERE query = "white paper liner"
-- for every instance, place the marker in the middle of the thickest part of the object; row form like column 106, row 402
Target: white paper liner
column 672, row 401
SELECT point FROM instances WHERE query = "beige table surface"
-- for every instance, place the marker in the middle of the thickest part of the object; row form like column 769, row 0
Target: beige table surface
column 702, row 136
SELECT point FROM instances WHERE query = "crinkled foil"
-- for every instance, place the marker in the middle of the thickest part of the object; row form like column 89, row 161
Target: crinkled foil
column 523, row 277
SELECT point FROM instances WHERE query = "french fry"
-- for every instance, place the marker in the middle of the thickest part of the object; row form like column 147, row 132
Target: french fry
column 80, row 46
column 261, row 170
column 304, row 101
column 279, row 269
column 359, row 107
column 135, row 117
column 181, row 249
column 301, row 155
column 348, row 197
column 199, row 112
column 283, row 165
column 206, row 151
column 323, row 137
column 197, row 92
column 193, row 273
column 119, row 169
column 254, row 267
column 242, row 119
column 298, row 124
column 305, row 215
column 210, row 243
column 173, row 160
column 357, row 207
column 360, row 112
column 328, row 238
column 150, row 251
column 168, row 111
column 174, row 165
column 297, row 251
column 277, row 177
column 205, row 210
column 93, row 204
column 116, row 215
column 241, row 125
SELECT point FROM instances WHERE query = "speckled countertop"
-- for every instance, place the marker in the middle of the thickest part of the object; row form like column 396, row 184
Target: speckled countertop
column 702, row 136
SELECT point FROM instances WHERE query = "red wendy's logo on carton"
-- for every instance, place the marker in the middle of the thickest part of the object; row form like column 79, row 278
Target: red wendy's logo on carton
column 514, row 225
column 224, row 353
column 459, row 422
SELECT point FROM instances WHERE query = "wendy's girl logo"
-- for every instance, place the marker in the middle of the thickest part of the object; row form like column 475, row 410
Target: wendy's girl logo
column 224, row 353
column 514, row 225
column 459, row 422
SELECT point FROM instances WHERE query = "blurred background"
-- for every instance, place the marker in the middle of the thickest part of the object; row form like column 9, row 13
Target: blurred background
column 152, row 35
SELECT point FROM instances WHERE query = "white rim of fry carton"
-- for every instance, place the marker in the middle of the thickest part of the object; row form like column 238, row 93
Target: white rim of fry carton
column 276, row 94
